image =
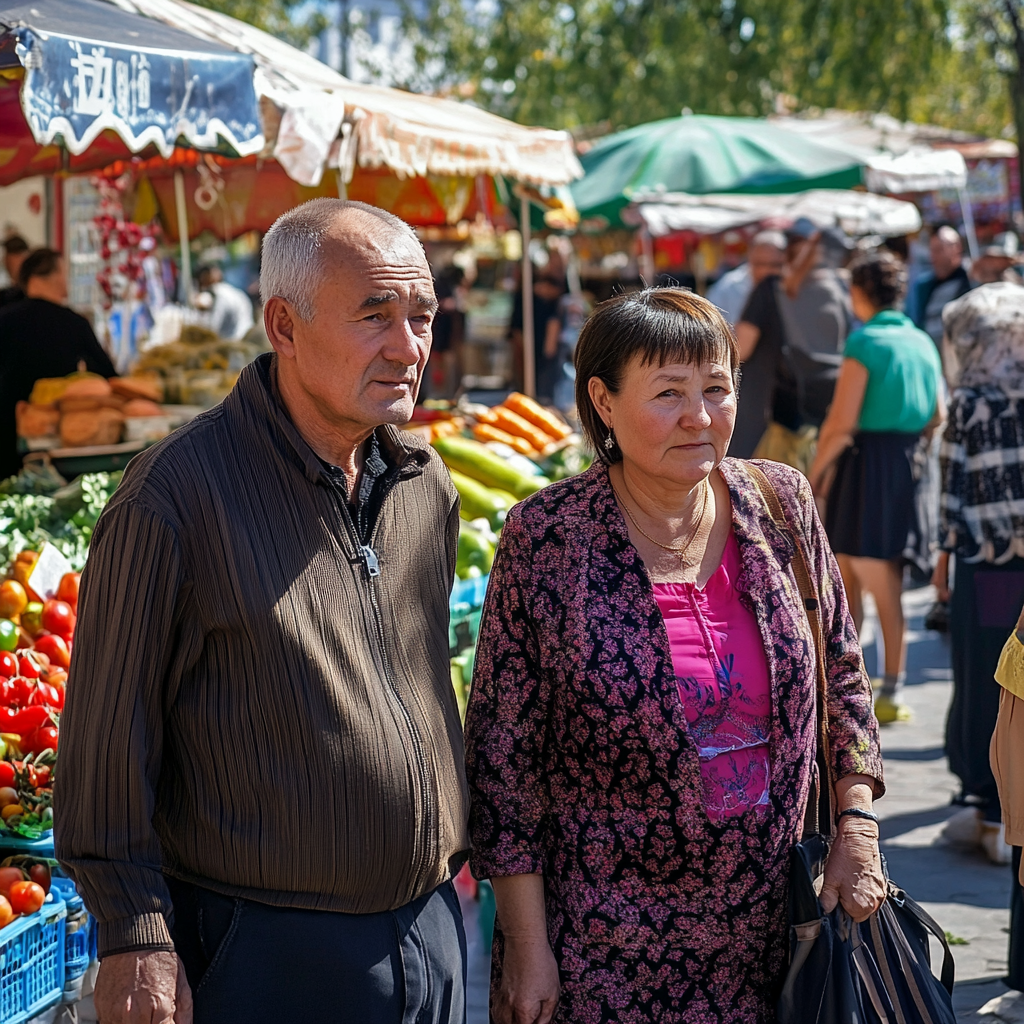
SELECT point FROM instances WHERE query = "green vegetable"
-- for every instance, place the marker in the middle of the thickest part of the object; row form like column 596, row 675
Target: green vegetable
column 479, row 462
column 480, row 501
column 66, row 519
column 475, row 552
column 8, row 635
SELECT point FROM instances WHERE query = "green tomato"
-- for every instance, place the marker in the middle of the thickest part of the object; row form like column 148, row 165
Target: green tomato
column 8, row 635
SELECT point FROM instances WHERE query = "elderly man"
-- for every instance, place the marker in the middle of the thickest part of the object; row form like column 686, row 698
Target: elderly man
column 262, row 797
column 947, row 281
column 15, row 253
column 765, row 257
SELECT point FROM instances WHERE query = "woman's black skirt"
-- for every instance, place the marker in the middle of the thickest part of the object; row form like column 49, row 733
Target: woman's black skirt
column 872, row 504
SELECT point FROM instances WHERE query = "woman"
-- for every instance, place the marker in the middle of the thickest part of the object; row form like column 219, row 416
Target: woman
column 887, row 395
column 981, row 521
column 641, row 729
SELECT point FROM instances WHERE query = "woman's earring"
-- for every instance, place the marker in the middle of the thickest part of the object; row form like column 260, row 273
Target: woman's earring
column 609, row 441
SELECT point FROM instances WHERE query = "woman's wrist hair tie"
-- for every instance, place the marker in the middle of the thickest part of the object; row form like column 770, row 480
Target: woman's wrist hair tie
column 857, row 812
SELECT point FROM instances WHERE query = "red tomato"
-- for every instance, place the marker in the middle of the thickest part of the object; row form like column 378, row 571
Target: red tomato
column 40, row 874
column 23, row 690
column 6, row 914
column 8, row 876
column 48, row 695
column 40, row 740
column 67, row 590
column 6, row 774
column 28, row 668
column 55, row 649
column 59, row 618
column 8, row 665
column 26, row 897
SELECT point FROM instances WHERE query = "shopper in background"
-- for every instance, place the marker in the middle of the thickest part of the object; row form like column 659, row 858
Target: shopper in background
column 263, row 799
column 947, row 281
column 40, row 337
column 15, row 253
column 997, row 261
column 443, row 375
column 563, row 331
column 643, row 647
column 802, row 318
column 1007, row 759
column 887, row 395
column 547, row 290
column 766, row 257
column 231, row 309
column 982, row 524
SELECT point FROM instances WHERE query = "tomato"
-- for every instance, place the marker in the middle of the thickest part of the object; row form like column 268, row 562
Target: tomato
column 6, row 776
column 8, row 665
column 55, row 649
column 48, row 696
column 8, row 876
column 59, row 618
column 40, row 740
column 67, row 590
column 40, row 874
column 13, row 599
column 21, row 693
column 8, row 635
column 28, row 668
column 6, row 913
column 8, row 795
column 28, row 720
column 26, row 897
column 32, row 618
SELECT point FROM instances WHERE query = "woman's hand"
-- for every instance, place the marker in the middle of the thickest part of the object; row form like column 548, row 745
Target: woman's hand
column 940, row 577
column 853, row 871
column 529, row 983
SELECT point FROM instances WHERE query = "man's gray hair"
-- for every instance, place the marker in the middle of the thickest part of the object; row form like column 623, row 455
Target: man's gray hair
column 776, row 239
column 293, row 256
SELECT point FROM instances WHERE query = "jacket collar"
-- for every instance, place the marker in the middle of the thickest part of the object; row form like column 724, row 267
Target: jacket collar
column 256, row 398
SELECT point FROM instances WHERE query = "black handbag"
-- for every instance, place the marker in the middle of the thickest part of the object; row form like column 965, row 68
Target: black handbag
column 842, row 972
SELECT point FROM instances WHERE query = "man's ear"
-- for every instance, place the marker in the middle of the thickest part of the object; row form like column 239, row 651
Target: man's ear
column 279, row 320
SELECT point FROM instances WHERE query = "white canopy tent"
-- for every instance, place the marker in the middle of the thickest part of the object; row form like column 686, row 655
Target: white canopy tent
column 857, row 213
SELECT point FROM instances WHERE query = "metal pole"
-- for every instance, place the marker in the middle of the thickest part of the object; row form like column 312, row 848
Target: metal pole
column 647, row 271
column 529, row 359
column 186, row 254
column 343, row 33
column 967, row 212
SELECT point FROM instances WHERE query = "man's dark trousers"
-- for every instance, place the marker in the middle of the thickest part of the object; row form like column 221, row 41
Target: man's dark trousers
column 254, row 963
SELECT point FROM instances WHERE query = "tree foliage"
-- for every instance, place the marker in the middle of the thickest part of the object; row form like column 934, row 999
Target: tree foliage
column 584, row 62
column 281, row 18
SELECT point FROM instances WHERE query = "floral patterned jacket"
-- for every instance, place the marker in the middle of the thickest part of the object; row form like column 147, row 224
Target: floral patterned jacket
column 581, row 766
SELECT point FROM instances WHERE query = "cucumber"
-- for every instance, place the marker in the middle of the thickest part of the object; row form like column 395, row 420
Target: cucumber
column 480, row 502
column 477, row 461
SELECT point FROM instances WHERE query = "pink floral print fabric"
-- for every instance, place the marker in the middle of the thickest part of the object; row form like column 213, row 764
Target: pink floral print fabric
column 582, row 767
column 722, row 676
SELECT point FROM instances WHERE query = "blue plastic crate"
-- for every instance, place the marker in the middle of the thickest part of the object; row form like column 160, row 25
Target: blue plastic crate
column 468, row 593
column 32, row 963
column 79, row 929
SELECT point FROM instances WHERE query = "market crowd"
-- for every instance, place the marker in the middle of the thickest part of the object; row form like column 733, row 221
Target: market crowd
column 265, row 787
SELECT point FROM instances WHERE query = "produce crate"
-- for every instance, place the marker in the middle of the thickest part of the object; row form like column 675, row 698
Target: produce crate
column 79, row 929
column 32, row 963
column 464, row 609
column 468, row 592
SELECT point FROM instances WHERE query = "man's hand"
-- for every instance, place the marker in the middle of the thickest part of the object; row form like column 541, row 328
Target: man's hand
column 853, row 871
column 529, row 983
column 142, row 988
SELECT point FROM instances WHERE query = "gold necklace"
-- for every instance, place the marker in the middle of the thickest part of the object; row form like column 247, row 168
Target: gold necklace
column 680, row 553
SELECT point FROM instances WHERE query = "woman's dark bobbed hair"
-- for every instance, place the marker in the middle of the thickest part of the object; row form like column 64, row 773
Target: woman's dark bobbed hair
column 660, row 325
column 881, row 277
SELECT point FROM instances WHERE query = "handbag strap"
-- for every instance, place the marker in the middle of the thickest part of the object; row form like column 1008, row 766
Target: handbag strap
column 820, row 814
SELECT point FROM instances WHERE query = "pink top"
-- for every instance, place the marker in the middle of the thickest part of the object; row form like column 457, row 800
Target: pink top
column 722, row 673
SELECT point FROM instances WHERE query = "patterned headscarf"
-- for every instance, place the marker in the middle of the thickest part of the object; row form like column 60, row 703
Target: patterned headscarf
column 984, row 339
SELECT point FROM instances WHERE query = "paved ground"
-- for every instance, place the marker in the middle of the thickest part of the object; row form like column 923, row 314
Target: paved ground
column 961, row 890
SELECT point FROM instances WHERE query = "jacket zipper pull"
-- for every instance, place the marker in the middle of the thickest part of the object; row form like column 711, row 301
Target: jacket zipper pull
column 371, row 560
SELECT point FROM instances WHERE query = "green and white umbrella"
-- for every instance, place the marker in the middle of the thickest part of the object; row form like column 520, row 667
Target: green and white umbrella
column 702, row 154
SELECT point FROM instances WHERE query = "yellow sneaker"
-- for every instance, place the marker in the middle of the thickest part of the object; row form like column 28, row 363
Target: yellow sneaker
column 888, row 710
